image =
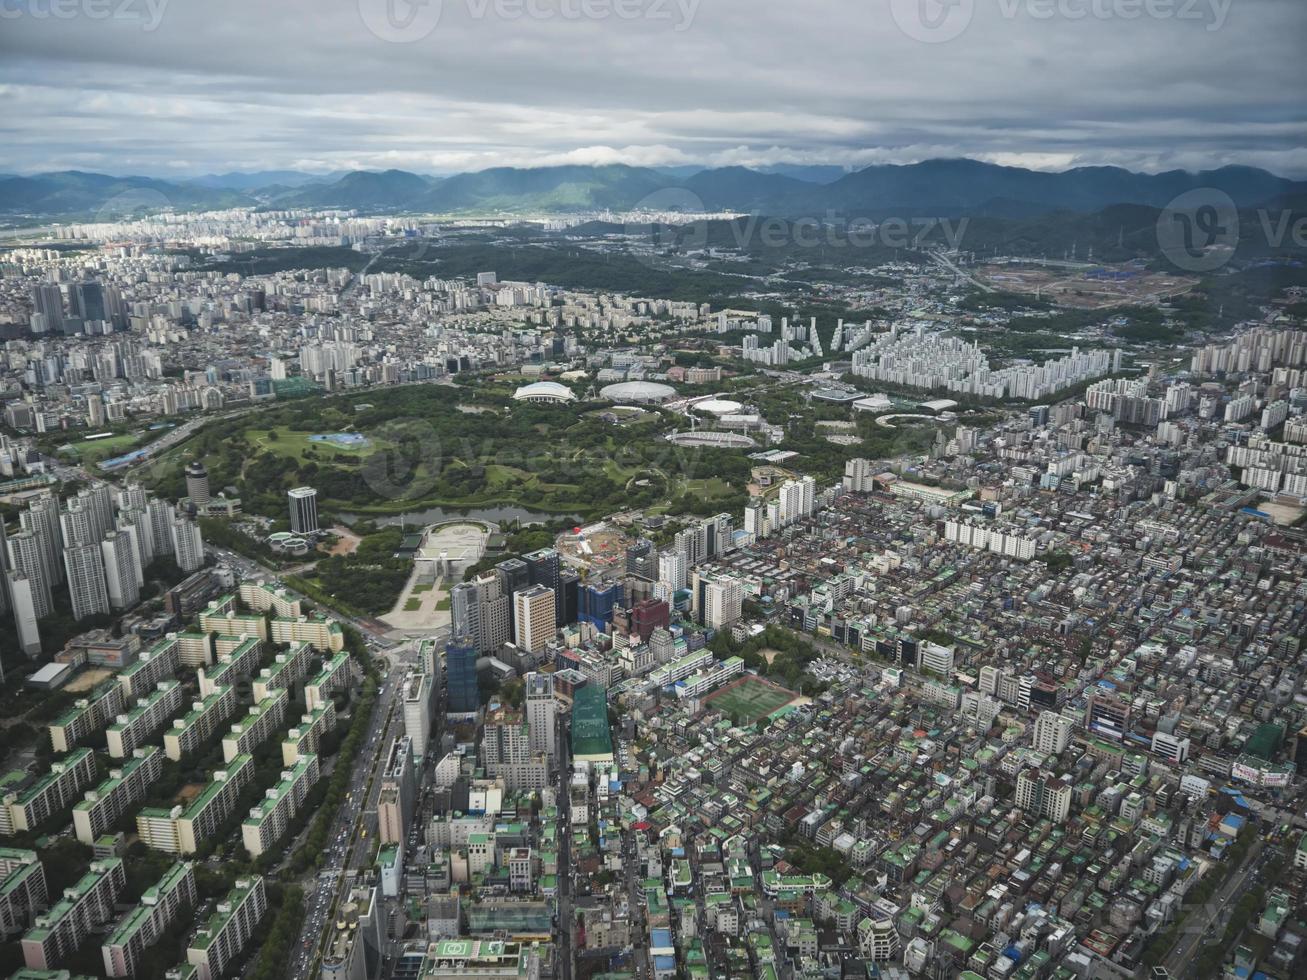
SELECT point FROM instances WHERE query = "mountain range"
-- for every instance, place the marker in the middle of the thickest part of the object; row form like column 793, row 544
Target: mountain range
column 935, row 188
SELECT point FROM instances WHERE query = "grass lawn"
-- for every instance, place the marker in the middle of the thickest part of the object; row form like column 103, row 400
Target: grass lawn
column 750, row 697
column 297, row 444
column 412, row 604
column 443, row 603
column 419, row 589
column 95, row 450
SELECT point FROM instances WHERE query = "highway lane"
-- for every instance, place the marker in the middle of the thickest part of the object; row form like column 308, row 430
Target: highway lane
column 328, row 881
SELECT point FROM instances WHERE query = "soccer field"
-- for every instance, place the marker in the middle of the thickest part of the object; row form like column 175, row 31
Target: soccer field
column 749, row 698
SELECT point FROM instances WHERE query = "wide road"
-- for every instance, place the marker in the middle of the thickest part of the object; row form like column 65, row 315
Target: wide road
column 325, row 892
column 1201, row 924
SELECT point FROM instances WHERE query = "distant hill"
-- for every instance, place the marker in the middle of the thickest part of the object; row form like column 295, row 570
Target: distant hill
column 73, row 192
column 933, row 188
column 567, row 188
column 960, row 186
column 742, row 189
column 261, row 179
column 361, row 189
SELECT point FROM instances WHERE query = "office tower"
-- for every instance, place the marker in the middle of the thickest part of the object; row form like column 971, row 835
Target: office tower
column 23, row 604
column 541, row 712
column 86, row 300
column 465, row 612
column 85, row 567
column 197, row 484
column 463, row 693
column 1053, row 732
column 642, row 559
column 1107, row 714
column 187, row 544
column 859, row 475
column 27, row 557
column 598, row 603
column 417, row 711
column 513, row 576
column 121, row 570
column 648, row 615
column 568, row 598
column 690, row 543
column 542, row 566
column 48, row 300
column 303, row 510
column 717, row 535
column 495, row 617
column 672, row 569
column 94, row 411
column 534, row 613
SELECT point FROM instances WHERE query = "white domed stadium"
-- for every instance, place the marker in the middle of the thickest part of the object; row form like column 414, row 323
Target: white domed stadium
column 544, row 391
column 718, row 406
column 638, row 393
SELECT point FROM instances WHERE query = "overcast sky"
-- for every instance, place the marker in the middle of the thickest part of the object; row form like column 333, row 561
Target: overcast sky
column 177, row 87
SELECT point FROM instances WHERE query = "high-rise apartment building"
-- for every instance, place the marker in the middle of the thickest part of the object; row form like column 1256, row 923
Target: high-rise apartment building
column 1053, row 732
column 84, row 565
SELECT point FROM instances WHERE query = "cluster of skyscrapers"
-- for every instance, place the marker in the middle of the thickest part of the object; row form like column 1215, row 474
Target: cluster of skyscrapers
column 97, row 544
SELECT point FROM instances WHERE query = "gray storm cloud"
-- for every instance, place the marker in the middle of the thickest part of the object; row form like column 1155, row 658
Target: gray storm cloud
column 183, row 86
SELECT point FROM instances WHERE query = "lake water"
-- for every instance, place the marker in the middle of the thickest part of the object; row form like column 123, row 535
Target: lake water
column 438, row 515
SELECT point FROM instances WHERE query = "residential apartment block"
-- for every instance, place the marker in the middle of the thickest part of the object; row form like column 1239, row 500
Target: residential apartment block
column 183, row 829
column 139, row 725
column 258, row 725
column 161, row 904
column 221, row 939
column 269, row 819
column 28, row 803
column 85, row 905
column 105, row 805
column 200, row 724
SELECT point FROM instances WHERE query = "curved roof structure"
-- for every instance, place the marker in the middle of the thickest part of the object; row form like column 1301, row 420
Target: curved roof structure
column 544, row 391
column 719, row 406
column 638, row 392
